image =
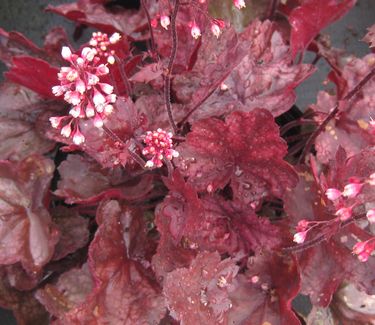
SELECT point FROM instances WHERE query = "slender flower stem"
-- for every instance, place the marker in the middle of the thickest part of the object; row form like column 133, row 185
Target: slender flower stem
column 167, row 77
column 317, row 240
column 272, row 8
column 334, row 111
column 285, row 128
column 204, row 98
column 152, row 38
column 124, row 77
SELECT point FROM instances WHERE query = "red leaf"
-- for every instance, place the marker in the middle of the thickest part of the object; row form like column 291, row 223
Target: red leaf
column 246, row 151
column 123, row 293
column 200, row 294
column 70, row 291
column 213, row 224
column 257, row 71
column 351, row 127
column 311, row 17
column 263, row 295
column 73, row 229
column 84, row 181
column 34, row 74
column 19, row 139
column 26, row 309
column 93, row 13
column 27, row 234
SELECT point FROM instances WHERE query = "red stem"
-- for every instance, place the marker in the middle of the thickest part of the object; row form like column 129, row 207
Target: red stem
column 333, row 112
column 167, row 77
column 152, row 38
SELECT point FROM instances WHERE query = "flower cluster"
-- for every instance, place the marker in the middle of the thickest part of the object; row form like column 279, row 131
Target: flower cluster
column 80, row 84
column 364, row 249
column 159, row 146
column 102, row 44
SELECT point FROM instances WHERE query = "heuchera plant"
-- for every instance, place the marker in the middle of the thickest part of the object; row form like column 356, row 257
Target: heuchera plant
column 160, row 174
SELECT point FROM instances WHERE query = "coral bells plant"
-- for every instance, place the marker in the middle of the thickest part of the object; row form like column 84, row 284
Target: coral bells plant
column 161, row 173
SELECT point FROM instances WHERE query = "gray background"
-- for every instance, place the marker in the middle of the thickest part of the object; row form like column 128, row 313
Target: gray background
column 28, row 18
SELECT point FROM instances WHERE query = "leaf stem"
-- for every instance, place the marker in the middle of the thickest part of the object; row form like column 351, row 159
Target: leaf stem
column 333, row 113
column 167, row 77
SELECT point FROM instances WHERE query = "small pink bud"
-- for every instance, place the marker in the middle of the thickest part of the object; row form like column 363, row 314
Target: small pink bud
column 57, row 90
column 88, row 53
column 66, row 53
column 78, row 137
column 352, row 190
column 239, row 4
column 359, row 247
column 102, row 70
column 300, row 237
column 98, row 122
column 72, row 75
column 98, row 98
column 223, row 86
column 371, row 215
column 363, row 257
column 149, row 164
column 90, row 111
column 108, row 109
column 80, row 86
column 115, row 37
column 154, row 23
column 111, row 59
column 75, row 111
column 107, row 88
column 371, row 179
column 255, row 279
column 215, row 29
column 333, row 194
column 165, row 21
column 55, row 121
column 66, row 131
column 195, row 31
column 302, row 225
column 344, row 213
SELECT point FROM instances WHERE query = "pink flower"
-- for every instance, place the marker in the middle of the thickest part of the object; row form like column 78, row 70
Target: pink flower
column 364, row 249
column 333, row 194
column 80, row 84
column 371, row 215
column 215, row 29
column 165, row 21
column 195, row 31
column 103, row 45
column 239, row 4
column 300, row 237
column 302, row 225
column 159, row 146
column 344, row 213
column 352, row 190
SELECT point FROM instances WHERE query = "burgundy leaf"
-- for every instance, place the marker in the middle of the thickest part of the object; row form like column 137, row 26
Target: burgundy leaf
column 27, row 234
column 26, row 309
column 263, row 295
column 213, row 224
column 246, row 151
column 19, row 138
column 257, row 72
column 351, row 128
column 73, row 229
column 35, row 74
column 70, row 291
column 85, row 181
column 123, row 293
column 311, row 17
column 93, row 13
column 200, row 294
